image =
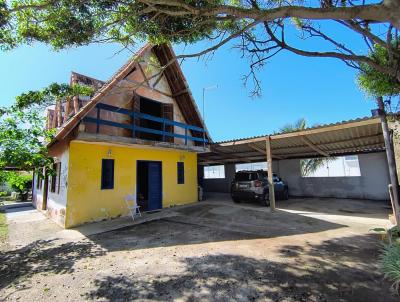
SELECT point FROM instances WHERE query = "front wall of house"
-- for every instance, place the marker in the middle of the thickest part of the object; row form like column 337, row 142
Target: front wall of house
column 87, row 202
column 56, row 201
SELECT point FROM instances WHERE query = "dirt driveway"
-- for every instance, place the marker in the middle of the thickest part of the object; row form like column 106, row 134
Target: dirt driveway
column 309, row 250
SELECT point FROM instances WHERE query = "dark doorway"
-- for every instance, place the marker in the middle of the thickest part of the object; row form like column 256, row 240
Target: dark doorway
column 153, row 108
column 149, row 185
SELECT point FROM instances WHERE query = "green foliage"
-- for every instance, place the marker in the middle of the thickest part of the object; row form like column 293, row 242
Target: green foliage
column 48, row 96
column 299, row 125
column 390, row 263
column 307, row 166
column 65, row 23
column 3, row 194
column 3, row 177
column 22, row 140
column 23, row 136
column 375, row 83
column 19, row 182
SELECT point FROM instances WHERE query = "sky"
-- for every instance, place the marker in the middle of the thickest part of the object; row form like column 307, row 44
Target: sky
column 320, row 90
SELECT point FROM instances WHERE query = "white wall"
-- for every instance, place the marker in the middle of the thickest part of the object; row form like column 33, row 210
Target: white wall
column 56, row 202
column 372, row 184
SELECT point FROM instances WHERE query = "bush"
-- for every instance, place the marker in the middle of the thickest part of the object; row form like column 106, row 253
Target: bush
column 390, row 262
column 19, row 182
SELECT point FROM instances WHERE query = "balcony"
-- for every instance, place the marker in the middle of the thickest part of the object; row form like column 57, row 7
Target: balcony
column 191, row 136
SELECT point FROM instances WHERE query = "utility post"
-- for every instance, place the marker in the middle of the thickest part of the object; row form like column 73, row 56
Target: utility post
column 390, row 159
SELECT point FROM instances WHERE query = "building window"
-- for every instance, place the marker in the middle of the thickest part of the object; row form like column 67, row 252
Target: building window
column 181, row 173
column 341, row 166
column 251, row 166
column 107, row 174
column 212, row 172
column 55, row 178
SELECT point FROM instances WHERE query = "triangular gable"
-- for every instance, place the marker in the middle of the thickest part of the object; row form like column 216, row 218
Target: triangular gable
column 175, row 78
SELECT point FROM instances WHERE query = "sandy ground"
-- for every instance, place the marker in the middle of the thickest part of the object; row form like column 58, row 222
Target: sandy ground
column 309, row 250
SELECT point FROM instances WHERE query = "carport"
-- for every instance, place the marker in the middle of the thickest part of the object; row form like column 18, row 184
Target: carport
column 354, row 137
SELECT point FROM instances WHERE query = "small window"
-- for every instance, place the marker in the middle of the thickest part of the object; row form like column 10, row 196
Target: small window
column 251, row 166
column 55, row 178
column 212, row 172
column 341, row 166
column 107, row 174
column 181, row 173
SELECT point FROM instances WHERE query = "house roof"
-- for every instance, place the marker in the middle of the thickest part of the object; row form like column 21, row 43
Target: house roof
column 175, row 78
column 357, row 136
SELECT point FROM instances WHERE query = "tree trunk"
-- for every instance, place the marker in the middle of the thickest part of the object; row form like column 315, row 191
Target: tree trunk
column 390, row 159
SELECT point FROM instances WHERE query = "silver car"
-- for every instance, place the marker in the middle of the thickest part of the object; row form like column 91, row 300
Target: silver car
column 253, row 185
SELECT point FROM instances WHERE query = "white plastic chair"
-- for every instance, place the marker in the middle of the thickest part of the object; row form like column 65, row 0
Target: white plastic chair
column 131, row 204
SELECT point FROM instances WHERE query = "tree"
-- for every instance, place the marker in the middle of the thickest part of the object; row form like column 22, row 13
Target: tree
column 373, row 82
column 54, row 93
column 22, row 140
column 23, row 135
column 260, row 27
column 307, row 166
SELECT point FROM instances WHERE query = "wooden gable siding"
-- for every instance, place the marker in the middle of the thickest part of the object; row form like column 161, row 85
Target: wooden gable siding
column 177, row 83
column 126, row 94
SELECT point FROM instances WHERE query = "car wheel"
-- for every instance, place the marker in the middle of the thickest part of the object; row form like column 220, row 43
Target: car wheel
column 235, row 200
column 265, row 200
column 286, row 194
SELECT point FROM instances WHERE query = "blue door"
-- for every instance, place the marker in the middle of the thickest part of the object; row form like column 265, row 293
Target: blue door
column 155, row 186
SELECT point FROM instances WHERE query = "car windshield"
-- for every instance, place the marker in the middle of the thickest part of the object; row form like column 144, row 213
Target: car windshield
column 245, row 176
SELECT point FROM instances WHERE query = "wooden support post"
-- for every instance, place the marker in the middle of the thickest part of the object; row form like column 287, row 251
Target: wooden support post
column 270, row 174
column 67, row 110
column 54, row 119
column 58, row 113
column 48, row 120
column 76, row 104
column 390, row 158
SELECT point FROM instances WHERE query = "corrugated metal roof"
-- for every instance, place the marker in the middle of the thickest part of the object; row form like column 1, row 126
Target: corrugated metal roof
column 347, row 137
column 309, row 128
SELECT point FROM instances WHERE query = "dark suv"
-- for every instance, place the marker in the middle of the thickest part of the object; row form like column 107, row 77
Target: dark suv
column 253, row 185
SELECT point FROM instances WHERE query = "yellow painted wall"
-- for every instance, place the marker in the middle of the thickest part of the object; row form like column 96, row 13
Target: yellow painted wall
column 87, row 202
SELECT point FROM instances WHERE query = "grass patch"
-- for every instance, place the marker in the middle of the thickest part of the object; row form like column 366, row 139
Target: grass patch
column 3, row 228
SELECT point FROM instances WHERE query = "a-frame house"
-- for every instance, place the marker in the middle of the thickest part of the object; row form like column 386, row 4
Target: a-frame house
column 139, row 134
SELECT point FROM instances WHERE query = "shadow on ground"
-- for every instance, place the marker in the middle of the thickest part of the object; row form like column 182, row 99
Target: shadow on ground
column 43, row 257
column 379, row 209
column 209, row 223
column 324, row 272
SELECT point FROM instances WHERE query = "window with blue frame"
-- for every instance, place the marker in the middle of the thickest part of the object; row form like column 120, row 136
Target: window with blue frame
column 181, row 173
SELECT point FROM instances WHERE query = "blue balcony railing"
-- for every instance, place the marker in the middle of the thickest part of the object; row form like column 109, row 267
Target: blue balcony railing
column 135, row 116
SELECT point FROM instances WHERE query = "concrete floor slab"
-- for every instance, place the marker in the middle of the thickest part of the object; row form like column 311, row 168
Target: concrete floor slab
column 308, row 250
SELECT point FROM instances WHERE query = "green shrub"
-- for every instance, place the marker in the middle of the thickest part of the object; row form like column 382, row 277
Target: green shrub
column 390, row 263
column 19, row 182
column 3, row 193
